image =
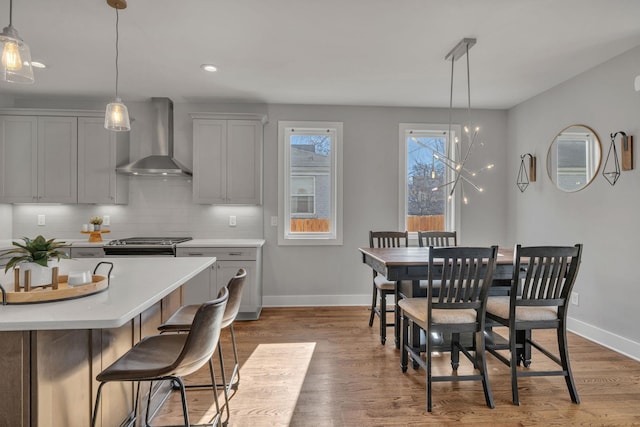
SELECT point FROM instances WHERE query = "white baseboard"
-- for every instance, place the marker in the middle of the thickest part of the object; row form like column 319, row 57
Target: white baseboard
column 607, row 339
column 315, row 300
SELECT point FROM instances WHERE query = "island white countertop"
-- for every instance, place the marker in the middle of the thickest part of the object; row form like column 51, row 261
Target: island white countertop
column 136, row 284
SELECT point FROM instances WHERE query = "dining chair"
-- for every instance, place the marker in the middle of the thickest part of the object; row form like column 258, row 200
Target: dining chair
column 381, row 285
column 437, row 238
column 170, row 357
column 465, row 275
column 540, row 289
column 182, row 320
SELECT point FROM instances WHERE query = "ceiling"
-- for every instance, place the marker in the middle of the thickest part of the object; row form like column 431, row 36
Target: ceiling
column 342, row 52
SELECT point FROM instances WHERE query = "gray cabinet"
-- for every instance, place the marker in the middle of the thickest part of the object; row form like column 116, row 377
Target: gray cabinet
column 99, row 153
column 206, row 285
column 227, row 159
column 87, row 252
column 39, row 159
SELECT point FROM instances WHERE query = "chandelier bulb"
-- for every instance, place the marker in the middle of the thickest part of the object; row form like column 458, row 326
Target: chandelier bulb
column 433, row 174
column 11, row 57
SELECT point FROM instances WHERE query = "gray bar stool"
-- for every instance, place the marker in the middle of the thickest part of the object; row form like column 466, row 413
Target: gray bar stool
column 170, row 357
column 181, row 321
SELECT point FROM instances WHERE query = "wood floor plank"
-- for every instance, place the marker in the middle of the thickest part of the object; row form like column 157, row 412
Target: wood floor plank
column 350, row 379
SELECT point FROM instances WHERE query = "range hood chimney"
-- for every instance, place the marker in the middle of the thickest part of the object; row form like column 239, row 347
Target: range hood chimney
column 161, row 162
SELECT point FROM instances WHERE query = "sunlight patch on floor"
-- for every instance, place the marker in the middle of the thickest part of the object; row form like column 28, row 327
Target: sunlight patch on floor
column 269, row 389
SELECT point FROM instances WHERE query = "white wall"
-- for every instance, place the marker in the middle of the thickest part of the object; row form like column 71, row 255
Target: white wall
column 311, row 275
column 602, row 217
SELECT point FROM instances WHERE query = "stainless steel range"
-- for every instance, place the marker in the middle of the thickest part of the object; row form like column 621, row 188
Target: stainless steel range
column 145, row 246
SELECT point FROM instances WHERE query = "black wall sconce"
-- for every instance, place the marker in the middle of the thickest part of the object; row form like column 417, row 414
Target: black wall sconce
column 611, row 169
column 524, row 177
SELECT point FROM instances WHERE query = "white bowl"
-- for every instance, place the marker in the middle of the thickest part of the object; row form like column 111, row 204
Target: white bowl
column 77, row 278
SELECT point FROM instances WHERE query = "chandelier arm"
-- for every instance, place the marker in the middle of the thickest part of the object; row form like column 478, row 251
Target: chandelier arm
column 451, row 105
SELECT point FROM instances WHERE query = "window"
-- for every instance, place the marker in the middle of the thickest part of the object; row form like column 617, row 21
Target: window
column 425, row 203
column 310, row 183
column 303, row 196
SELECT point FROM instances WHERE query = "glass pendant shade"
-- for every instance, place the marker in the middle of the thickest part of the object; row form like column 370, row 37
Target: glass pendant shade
column 15, row 66
column 117, row 116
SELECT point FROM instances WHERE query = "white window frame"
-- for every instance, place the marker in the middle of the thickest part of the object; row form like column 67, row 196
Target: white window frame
column 452, row 208
column 334, row 236
column 313, row 194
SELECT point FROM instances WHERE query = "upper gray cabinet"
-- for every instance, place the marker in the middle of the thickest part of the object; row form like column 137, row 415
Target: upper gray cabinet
column 99, row 153
column 227, row 158
column 60, row 156
column 39, row 159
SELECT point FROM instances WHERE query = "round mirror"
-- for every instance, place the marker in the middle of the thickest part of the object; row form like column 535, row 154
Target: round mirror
column 573, row 158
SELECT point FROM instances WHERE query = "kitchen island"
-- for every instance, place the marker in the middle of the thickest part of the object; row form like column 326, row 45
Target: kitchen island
column 51, row 352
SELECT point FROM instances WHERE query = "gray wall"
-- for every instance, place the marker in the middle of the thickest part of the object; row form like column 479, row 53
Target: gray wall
column 310, row 275
column 602, row 217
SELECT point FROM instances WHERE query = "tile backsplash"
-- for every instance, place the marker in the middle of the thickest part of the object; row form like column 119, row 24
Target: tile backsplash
column 157, row 207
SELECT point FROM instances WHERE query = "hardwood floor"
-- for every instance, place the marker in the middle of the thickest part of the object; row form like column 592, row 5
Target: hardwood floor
column 325, row 367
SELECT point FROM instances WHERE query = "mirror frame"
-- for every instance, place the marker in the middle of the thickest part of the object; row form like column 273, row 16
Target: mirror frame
column 597, row 168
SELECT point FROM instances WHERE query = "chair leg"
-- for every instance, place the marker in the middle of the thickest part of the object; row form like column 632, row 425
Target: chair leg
column 428, row 369
column 183, row 396
column 95, row 408
column 383, row 317
column 564, row 358
column 514, row 365
column 455, row 352
column 404, row 356
column 373, row 305
column 224, row 386
column 479, row 344
column 234, row 381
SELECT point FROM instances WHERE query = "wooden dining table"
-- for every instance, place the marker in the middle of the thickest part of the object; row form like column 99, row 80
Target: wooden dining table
column 410, row 265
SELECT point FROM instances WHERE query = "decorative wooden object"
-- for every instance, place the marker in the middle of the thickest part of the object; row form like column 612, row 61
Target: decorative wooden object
column 95, row 236
column 627, row 152
column 58, row 290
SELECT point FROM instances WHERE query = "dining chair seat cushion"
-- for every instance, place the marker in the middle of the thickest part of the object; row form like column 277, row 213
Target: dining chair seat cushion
column 416, row 309
column 499, row 306
column 153, row 357
column 383, row 283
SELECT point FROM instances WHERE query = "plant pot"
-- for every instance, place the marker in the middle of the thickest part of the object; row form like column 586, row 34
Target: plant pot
column 96, row 227
column 40, row 276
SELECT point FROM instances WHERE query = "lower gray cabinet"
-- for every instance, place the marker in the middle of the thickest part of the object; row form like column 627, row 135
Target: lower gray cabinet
column 206, row 285
column 86, row 252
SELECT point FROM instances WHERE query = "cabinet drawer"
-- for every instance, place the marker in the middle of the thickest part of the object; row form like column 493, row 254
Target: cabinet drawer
column 87, row 253
column 222, row 254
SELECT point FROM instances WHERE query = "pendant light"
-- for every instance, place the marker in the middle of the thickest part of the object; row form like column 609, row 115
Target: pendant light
column 457, row 161
column 117, row 115
column 15, row 66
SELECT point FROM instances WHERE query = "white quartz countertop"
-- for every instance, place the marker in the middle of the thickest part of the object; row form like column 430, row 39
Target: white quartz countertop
column 136, row 284
column 222, row 243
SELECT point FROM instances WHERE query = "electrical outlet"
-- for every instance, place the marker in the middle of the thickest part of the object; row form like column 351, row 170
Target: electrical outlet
column 274, row 221
column 106, row 220
column 232, row 220
column 41, row 220
column 575, row 298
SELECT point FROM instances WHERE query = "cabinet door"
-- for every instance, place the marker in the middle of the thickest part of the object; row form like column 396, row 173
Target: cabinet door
column 18, row 159
column 209, row 161
column 96, row 162
column 58, row 159
column 244, row 162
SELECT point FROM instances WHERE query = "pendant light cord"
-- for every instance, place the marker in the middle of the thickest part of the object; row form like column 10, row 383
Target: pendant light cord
column 10, row 13
column 469, row 89
column 117, row 40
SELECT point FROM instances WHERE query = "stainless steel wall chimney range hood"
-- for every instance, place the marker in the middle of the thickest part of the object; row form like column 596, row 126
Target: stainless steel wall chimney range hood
column 161, row 162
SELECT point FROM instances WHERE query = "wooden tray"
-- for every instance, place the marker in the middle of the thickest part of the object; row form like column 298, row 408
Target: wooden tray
column 95, row 236
column 64, row 291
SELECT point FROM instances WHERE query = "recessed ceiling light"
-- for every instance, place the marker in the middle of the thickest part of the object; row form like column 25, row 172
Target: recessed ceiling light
column 37, row 64
column 209, row 67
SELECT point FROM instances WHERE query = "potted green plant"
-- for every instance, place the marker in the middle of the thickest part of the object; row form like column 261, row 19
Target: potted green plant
column 96, row 221
column 37, row 255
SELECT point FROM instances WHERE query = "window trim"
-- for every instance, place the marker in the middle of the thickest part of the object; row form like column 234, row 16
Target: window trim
column 452, row 209
column 335, row 235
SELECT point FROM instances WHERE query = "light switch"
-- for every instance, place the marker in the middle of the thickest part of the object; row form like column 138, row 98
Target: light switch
column 41, row 220
column 274, row 221
column 106, row 220
column 232, row 220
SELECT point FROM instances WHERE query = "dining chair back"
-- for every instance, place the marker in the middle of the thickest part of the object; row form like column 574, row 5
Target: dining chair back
column 437, row 238
column 543, row 278
column 464, row 275
column 381, row 285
